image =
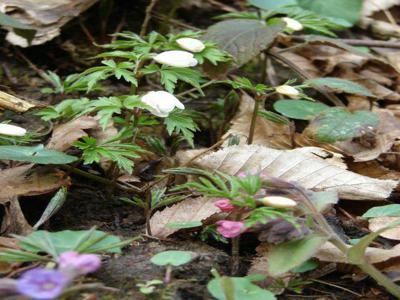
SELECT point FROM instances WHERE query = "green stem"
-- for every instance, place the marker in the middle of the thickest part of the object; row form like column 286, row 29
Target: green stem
column 87, row 175
column 257, row 101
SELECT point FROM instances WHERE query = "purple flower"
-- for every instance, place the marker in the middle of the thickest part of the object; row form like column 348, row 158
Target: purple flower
column 230, row 229
column 224, row 205
column 79, row 263
column 42, row 283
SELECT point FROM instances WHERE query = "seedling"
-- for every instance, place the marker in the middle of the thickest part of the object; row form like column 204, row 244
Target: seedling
column 149, row 287
column 171, row 259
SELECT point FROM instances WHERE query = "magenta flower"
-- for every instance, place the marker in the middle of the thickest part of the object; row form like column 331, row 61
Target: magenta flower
column 230, row 229
column 224, row 205
column 42, row 283
column 79, row 263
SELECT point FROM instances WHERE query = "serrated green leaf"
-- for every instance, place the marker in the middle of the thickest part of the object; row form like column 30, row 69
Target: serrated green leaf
column 37, row 154
column 299, row 109
column 286, row 256
column 181, row 122
column 391, row 210
column 342, row 85
column 243, row 39
column 338, row 124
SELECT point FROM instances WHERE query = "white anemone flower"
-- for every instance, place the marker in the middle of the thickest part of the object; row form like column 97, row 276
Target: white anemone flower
column 287, row 90
column 176, row 58
column 278, row 202
column 12, row 130
column 161, row 103
column 293, row 24
column 190, row 44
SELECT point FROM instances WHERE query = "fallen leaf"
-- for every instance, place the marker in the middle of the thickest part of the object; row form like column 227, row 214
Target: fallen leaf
column 66, row 134
column 266, row 133
column 190, row 210
column 14, row 220
column 371, row 6
column 291, row 165
column 13, row 103
column 45, row 16
column 381, row 222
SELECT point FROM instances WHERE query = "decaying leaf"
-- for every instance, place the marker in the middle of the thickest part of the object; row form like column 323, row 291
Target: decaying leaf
column 381, row 222
column 311, row 172
column 66, row 134
column 46, row 16
column 14, row 220
column 11, row 102
column 266, row 133
column 190, row 210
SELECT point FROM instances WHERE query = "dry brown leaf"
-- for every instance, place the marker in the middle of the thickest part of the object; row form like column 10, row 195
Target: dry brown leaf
column 303, row 63
column 190, row 210
column 46, row 16
column 381, row 222
column 13, row 103
column 14, row 220
column 66, row 134
column 372, row 6
column 22, row 181
column 311, row 172
column 266, row 133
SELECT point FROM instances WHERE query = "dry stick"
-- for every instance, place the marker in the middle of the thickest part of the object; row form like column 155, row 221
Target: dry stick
column 335, row 100
column 147, row 18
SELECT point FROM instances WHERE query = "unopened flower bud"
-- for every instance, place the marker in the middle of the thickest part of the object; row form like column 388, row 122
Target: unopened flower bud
column 190, row 44
column 176, row 58
column 12, row 130
column 161, row 103
column 278, row 202
column 224, row 205
column 287, row 90
column 293, row 24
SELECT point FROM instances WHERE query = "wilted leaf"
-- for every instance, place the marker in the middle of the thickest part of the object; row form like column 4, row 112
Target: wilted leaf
column 266, row 133
column 379, row 223
column 66, row 134
column 243, row 39
column 14, row 220
column 342, row 85
column 190, row 210
column 13, row 103
column 292, row 165
column 286, row 256
column 338, row 124
column 299, row 109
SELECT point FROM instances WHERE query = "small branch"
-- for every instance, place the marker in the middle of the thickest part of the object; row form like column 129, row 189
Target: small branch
column 253, row 120
column 147, row 18
column 357, row 42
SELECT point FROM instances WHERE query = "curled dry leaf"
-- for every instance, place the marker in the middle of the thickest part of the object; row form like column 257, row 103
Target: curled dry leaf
column 14, row 220
column 45, row 16
column 266, row 133
column 190, row 210
column 381, row 222
column 66, row 134
column 292, row 165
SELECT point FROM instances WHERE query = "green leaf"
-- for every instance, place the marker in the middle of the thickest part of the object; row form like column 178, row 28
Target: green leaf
column 356, row 254
column 54, row 205
column 274, row 117
column 308, row 265
column 37, row 154
column 339, row 84
column 348, row 10
column 57, row 242
column 284, row 257
column 173, row 258
column 237, row 288
column 391, row 210
column 243, row 39
column 299, row 109
column 322, row 200
column 170, row 77
column 338, row 124
column 271, row 4
column 181, row 122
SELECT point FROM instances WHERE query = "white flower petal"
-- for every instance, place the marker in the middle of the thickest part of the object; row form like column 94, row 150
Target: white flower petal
column 278, row 202
column 293, row 24
column 161, row 103
column 190, row 44
column 12, row 130
column 176, row 58
column 287, row 90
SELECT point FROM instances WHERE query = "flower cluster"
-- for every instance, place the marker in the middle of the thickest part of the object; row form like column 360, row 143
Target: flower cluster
column 42, row 283
column 162, row 103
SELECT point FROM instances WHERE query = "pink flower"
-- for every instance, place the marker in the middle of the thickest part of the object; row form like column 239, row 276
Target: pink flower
column 241, row 175
column 230, row 229
column 224, row 205
column 79, row 263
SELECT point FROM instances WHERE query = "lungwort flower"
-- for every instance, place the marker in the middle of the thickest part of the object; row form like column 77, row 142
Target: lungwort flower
column 42, row 283
column 190, row 44
column 161, row 103
column 224, row 205
column 80, row 264
column 12, row 130
column 230, row 229
column 176, row 58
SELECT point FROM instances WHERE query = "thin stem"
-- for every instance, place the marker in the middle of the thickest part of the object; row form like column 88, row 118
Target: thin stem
column 196, row 89
column 253, row 120
column 168, row 272
column 384, row 281
column 147, row 18
column 87, row 175
column 235, row 255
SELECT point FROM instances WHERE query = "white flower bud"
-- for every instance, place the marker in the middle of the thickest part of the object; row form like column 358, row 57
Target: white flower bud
column 287, row 90
column 190, row 44
column 176, row 58
column 293, row 24
column 161, row 103
column 12, row 130
column 278, row 202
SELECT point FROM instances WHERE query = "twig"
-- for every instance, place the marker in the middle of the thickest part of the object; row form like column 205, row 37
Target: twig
column 337, row 286
column 174, row 22
column 222, row 6
column 335, row 100
column 358, row 42
column 147, row 18
column 253, row 120
column 86, row 31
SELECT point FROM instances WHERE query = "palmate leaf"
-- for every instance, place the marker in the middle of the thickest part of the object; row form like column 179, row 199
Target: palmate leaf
column 180, row 122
